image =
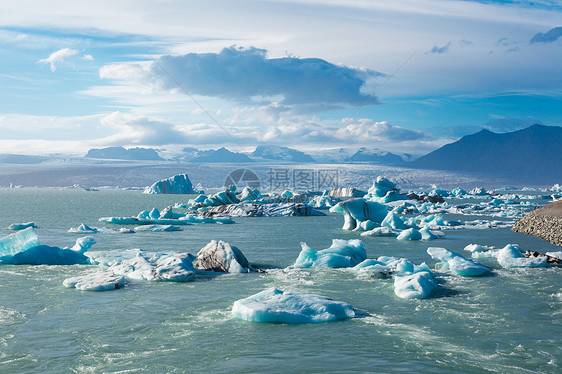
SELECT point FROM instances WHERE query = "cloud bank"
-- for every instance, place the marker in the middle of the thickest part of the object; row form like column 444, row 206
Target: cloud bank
column 550, row 36
column 247, row 75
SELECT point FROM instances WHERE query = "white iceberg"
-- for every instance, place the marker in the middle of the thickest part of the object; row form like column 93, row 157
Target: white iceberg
column 415, row 286
column 341, row 254
column 83, row 229
column 381, row 231
column 178, row 184
column 144, row 265
column 455, row 263
column 23, row 248
column 99, row 281
column 511, row 256
column 222, row 257
column 392, row 221
column 359, row 210
column 410, row 234
column 273, row 305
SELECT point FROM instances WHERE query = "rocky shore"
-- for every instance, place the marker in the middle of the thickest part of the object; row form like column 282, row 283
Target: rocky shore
column 545, row 223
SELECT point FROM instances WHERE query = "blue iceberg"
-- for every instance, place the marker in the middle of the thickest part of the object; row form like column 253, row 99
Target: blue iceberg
column 341, row 254
column 178, row 184
column 21, row 226
column 23, row 248
column 509, row 256
column 455, row 263
column 356, row 211
column 276, row 306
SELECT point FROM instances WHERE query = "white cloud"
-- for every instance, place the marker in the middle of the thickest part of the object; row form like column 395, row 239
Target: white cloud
column 58, row 57
column 88, row 57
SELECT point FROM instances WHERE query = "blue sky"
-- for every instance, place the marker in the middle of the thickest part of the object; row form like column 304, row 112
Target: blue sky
column 403, row 76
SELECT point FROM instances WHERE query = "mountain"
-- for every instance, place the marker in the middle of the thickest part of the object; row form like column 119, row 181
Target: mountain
column 531, row 155
column 275, row 152
column 375, row 156
column 120, row 153
column 221, row 155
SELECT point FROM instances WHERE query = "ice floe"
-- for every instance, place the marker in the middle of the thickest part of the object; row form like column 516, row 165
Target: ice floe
column 98, row 281
column 144, row 265
column 273, row 305
column 509, row 256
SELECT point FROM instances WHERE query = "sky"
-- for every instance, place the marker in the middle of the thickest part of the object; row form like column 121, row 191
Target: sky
column 405, row 76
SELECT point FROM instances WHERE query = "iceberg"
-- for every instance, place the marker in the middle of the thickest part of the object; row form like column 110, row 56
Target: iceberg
column 99, row 281
column 157, row 228
column 341, row 254
column 83, row 229
column 222, row 257
column 21, row 226
column 392, row 221
column 178, row 184
column 381, row 231
column 276, row 306
column 264, row 210
column 415, row 286
column 23, row 248
column 458, row 192
column 358, row 210
column 410, row 234
column 510, row 256
column 144, row 265
column 455, row 263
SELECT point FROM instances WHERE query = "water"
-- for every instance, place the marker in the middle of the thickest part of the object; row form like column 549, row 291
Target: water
column 508, row 322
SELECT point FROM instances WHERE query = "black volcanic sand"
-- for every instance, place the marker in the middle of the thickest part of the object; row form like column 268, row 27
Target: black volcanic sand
column 545, row 223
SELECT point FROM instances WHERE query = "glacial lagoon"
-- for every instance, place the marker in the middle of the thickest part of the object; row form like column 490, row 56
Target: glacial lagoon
column 507, row 320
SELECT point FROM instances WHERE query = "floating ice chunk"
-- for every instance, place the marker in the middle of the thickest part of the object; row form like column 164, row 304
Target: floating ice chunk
column 458, row 192
column 381, row 186
column 83, row 229
column 323, row 202
column 410, row 234
column 393, row 221
column 439, row 191
column 222, row 257
column 264, row 210
column 178, row 184
column 99, row 281
column 373, row 268
column 21, row 226
column 358, row 210
column 381, row 231
column 341, row 254
column 415, row 286
column 18, row 242
column 157, row 228
column 557, row 254
column 511, row 257
column 249, row 194
column 455, row 263
column 273, row 305
column 426, row 234
column 476, row 248
column 478, row 191
column 83, row 244
column 143, row 265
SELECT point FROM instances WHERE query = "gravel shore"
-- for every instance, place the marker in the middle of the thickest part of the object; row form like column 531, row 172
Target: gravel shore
column 545, row 223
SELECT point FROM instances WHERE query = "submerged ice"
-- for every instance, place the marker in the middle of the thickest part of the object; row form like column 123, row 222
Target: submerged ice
column 273, row 305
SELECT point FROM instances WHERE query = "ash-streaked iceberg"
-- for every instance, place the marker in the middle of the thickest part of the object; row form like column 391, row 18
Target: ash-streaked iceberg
column 455, row 263
column 144, row 265
column 23, row 248
column 178, row 184
column 222, row 257
column 157, row 228
column 341, row 254
column 276, row 306
column 98, row 281
column 264, row 210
